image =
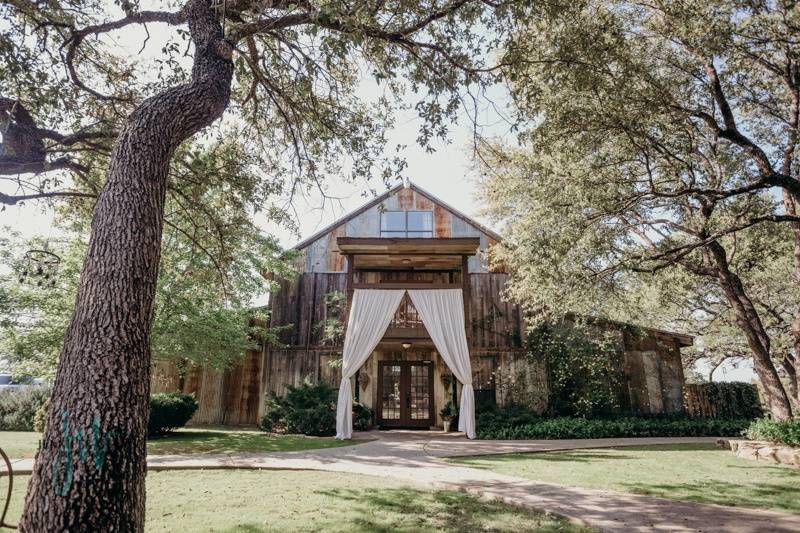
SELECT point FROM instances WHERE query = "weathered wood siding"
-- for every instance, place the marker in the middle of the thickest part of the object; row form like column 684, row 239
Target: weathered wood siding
column 322, row 254
column 654, row 374
column 300, row 306
column 230, row 397
column 496, row 324
column 651, row 365
column 292, row 366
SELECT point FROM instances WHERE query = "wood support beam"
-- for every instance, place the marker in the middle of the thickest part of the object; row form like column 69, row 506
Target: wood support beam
column 409, row 285
column 465, row 289
column 349, row 286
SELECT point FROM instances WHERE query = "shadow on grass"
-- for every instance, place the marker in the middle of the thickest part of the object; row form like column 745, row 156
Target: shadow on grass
column 233, row 441
column 782, row 495
column 581, row 456
column 408, row 509
column 572, row 456
column 699, row 472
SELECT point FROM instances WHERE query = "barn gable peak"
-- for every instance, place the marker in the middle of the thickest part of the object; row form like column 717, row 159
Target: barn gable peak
column 379, row 200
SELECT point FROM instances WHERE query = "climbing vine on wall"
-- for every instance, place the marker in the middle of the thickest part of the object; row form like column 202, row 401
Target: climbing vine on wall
column 331, row 328
column 582, row 370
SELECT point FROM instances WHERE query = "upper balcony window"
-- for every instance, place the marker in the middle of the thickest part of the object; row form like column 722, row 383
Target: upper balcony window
column 407, row 224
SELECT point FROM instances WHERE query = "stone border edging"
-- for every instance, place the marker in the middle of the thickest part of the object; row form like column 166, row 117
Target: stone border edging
column 762, row 450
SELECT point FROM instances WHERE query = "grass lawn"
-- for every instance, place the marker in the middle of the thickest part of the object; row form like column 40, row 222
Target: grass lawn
column 19, row 444
column 23, row 444
column 205, row 440
column 696, row 472
column 273, row 500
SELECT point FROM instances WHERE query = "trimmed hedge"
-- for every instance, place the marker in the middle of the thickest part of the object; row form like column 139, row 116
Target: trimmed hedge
column 733, row 400
column 516, row 424
column 787, row 433
column 18, row 407
column 169, row 411
column 309, row 409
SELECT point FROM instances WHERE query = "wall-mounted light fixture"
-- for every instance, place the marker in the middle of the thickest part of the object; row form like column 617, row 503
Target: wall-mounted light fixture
column 406, row 345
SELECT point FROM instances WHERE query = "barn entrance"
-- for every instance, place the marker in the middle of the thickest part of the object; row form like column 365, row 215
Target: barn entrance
column 405, row 394
column 382, row 307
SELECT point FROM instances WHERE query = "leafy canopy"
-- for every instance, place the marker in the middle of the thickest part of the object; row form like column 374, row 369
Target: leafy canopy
column 633, row 170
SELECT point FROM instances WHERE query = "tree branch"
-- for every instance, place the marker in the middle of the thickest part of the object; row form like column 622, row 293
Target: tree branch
column 77, row 37
column 8, row 199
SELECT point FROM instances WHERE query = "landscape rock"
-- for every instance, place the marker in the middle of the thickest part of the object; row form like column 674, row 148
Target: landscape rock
column 764, row 451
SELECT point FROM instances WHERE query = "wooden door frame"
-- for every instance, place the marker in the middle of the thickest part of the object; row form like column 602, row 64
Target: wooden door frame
column 405, row 420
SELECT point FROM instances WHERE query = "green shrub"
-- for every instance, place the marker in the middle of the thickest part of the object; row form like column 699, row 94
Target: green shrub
column 309, row 409
column 319, row 420
column 362, row 417
column 516, row 423
column 18, row 407
column 787, row 433
column 734, row 399
column 274, row 419
column 170, row 411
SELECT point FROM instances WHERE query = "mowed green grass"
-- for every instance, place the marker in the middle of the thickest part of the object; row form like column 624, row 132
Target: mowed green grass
column 275, row 500
column 20, row 444
column 202, row 440
column 695, row 472
column 188, row 441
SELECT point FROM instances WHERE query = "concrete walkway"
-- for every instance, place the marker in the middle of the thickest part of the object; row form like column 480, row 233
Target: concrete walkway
column 415, row 456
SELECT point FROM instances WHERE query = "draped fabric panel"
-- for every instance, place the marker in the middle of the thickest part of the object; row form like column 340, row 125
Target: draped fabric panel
column 442, row 312
column 371, row 312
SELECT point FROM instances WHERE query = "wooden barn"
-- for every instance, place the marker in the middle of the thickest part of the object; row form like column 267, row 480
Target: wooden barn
column 408, row 239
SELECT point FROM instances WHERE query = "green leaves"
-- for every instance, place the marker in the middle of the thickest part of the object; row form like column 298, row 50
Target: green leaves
column 787, row 433
column 583, row 366
column 619, row 185
column 203, row 304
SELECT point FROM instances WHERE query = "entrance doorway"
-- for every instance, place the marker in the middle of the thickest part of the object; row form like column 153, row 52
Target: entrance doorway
column 405, row 390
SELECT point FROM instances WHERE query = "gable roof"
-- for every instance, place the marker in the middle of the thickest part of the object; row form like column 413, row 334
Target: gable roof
column 381, row 198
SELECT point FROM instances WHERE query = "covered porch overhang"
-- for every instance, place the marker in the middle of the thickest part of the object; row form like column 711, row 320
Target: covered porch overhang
column 407, row 254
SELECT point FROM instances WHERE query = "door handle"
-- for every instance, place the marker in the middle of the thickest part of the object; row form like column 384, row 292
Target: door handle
column 408, row 400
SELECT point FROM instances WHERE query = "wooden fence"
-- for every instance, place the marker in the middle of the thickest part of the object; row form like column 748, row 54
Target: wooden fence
column 227, row 397
column 696, row 401
column 727, row 400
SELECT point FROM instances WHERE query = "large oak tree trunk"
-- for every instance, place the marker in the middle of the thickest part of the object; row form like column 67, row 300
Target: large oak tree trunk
column 90, row 471
column 790, row 205
column 749, row 321
column 790, row 367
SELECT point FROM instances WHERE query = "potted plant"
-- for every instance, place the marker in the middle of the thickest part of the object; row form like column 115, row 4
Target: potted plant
column 448, row 413
column 362, row 417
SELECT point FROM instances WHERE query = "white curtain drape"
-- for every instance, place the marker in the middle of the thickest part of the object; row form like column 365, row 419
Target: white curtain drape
column 371, row 312
column 442, row 312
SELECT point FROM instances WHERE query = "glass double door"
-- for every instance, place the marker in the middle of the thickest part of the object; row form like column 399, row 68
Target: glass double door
column 405, row 394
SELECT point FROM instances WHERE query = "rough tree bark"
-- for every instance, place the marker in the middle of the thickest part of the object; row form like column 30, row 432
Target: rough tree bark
column 749, row 322
column 789, row 203
column 789, row 366
column 790, row 200
column 90, row 471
